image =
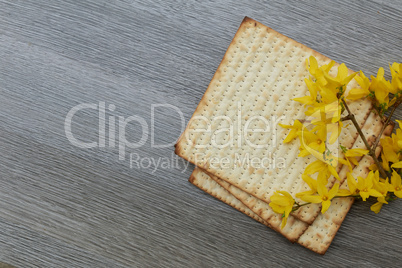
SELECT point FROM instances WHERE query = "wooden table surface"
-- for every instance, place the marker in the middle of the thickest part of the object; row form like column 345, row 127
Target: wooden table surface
column 62, row 205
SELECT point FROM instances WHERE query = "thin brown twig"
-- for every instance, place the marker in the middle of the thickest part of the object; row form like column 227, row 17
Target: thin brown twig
column 371, row 151
column 345, row 118
column 377, row 141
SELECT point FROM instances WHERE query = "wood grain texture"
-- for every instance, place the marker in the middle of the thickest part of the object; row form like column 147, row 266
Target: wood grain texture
column 64, row 206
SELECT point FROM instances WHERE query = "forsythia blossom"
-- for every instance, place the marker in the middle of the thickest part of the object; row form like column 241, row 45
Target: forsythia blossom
column 282, row 202
column 363, row 187
column 323, row 196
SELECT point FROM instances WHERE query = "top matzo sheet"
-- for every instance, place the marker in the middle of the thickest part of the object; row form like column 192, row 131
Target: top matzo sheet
column 233, row 133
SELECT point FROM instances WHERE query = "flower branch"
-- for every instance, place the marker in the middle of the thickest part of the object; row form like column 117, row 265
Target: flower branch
column 361, row 134
column 325, row 106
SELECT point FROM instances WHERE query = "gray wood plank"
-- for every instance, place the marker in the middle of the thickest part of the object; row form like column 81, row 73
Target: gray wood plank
column 64, row 206
column 26, row 248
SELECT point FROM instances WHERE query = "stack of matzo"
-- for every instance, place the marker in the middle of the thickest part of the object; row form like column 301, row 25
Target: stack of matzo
column 260, row 74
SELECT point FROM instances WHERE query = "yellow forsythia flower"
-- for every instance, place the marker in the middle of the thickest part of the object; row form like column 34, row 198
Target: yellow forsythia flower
column 310, row 141
column 392, row 147
column 396, row 184
column 381, row 88
column 382, row 187
column 338, row 83
column 329, row 96
column 352, row 154
column 325, row 113
column 363, row 91
column 326, row 116
column 335, row 129
column 309, row 99
column 282, row 202
column 363, row 186
column 397, row 137
column 325, row 165
column 396, row 72
column 318, row 72
column 324, row 196
column 326, row 119
column 397, row 165
column 312, row 183
column 294, row 130
column 376, row 207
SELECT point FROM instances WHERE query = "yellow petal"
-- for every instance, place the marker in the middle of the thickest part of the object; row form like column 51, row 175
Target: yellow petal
column 398, row 193
column 356, row 152
column 376, row 207
column 280, row 200
column 350, row 77
column 382, row 200
column 334, row 135
column 357, row 93
column 354, row 161
column 364, row 195
column 351, row 183
column 332, row 193
column 312, row 88
column 288, row 209
column 395, row 179
column 333, row 172
column 374, row 193
column 314, row 167
column 284, row 221
column 290, row 137
column 361, row 183
column 325, row 206
column 344, row 162
column 321, row 188
column 306, row 100
column 312, row 183
column 286, row 194
column 343, row 192
column 303, row 153
column 285, row 126
column 299, row 195
column 369, row 181
column 373, row 167
column 397, row 165
column 380, row 72
column 342, row 70
column 313, row 63
column 276, row 208
column 328, row 66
